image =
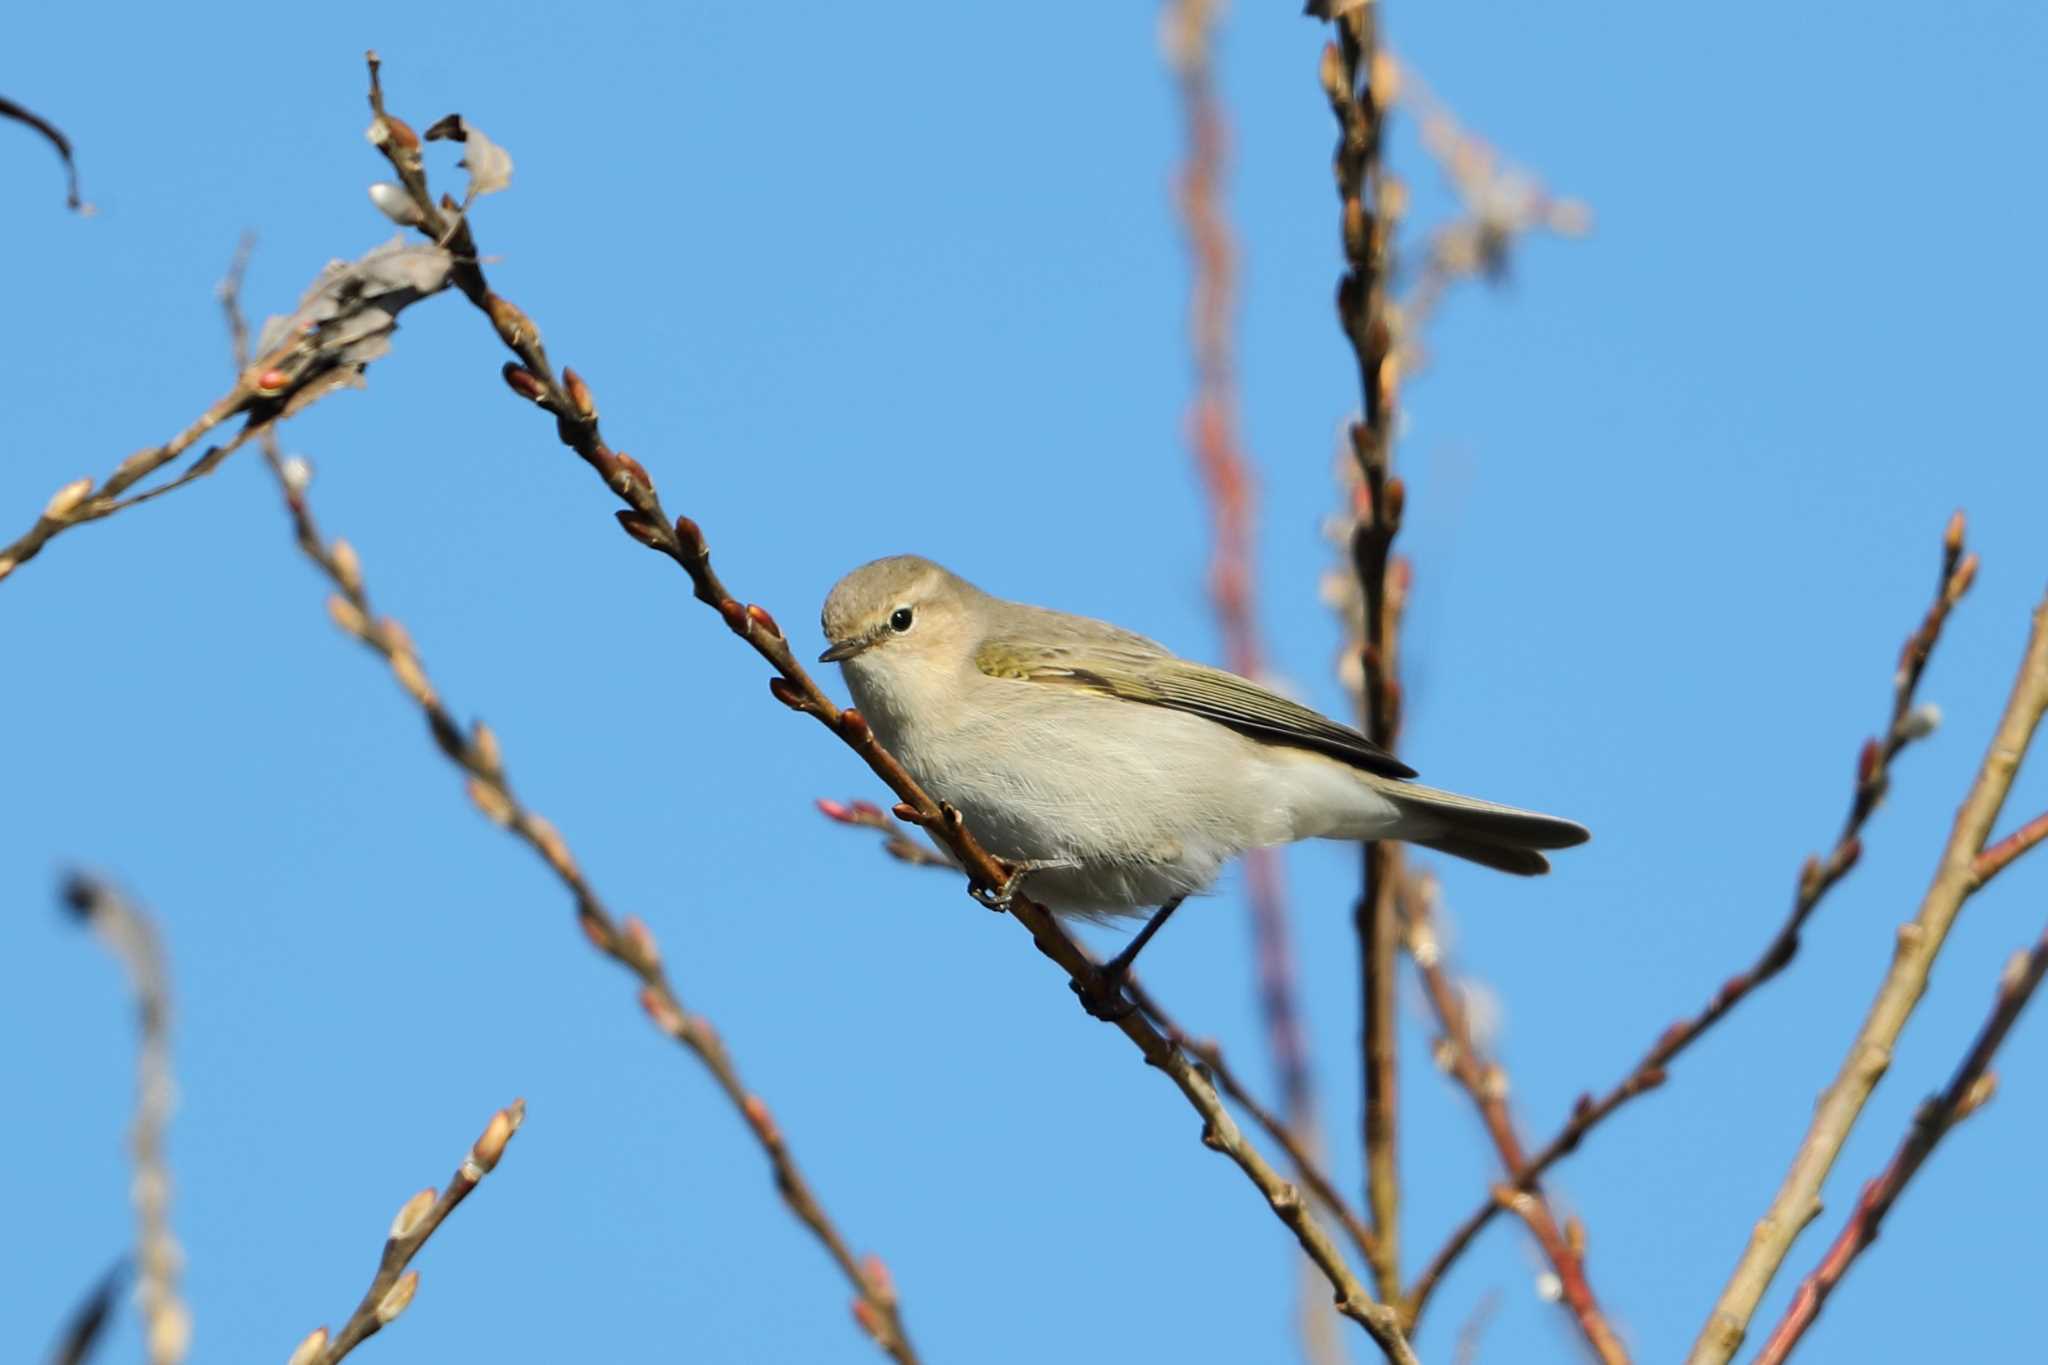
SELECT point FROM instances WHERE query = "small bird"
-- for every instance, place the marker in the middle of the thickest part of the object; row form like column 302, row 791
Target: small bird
column 1112, row 776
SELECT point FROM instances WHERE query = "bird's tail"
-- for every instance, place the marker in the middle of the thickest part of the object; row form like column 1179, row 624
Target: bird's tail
column 1483, row 832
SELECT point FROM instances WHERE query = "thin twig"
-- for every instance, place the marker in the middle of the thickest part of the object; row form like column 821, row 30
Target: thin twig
column 630, row 943
column 1354, row 73
column 1486, row 1083
column 86, row 1328
column 895, row 843
column 1968, row 1090
column 1306, row 1167
column 393, row 1286
column 340, row 327
column 1189, row 29
column 569, row 400
column 1797, row 1202
column 1907, row 723
column 53, row 135
column 476, row 753
column 132, row 939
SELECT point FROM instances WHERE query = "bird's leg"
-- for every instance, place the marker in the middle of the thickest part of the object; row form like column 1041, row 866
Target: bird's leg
column 1103, row 994
column 1000, row 897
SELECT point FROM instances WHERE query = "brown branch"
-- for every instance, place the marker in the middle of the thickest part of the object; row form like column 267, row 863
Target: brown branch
column 568, row 399
column 1907, row 723
column 895, row 843
column 1228, row 480
column 1798, row 1199
column 341, row 325
column 1968, row 1090
column 393, row 1286
column 1485, row 1082
column 629, row 943
column 1354, row 75
column 130, row 936
column 1284, row 1134
column 53, row 135
column 474, row 750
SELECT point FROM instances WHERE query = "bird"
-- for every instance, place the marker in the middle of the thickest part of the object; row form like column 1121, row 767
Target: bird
column 1112, row 777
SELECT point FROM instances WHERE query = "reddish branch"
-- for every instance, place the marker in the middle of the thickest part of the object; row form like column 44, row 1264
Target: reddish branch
column 1486, row 1083
column 1816, row 878
column 1966, row 1092
column 569, row 401
column 1228, row 479
column 1354, row 73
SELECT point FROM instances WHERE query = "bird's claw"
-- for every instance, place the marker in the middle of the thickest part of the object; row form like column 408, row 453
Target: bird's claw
column 998, row 898
column 1102, row 995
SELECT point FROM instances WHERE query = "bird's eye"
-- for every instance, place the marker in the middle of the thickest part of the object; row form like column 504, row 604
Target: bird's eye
column 899, row 620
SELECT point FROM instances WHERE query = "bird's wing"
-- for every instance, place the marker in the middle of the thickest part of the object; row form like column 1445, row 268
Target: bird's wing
column 1135, row 669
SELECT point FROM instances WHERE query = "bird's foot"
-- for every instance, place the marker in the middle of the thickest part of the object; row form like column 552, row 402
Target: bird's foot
column 998, row 898
column 1102, row 993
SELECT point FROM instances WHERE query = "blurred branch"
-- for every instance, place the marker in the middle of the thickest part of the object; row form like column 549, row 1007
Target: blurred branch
column 344, row 321
column 1486, row 1083
column 1355, row 75
column 132, row 939
column 1958, row 875
column 1189, row 29
column 86, row 1328
column 1500, row 205
column 393, row 1286
column 569, row 401
column 476, row 753
column 55, row 137
column 1968, row 1090
column 1908, row 722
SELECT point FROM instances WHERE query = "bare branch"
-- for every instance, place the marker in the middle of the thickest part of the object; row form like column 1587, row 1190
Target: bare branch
column 343, row 323
column 1967, row 1091
column 1486, row 1083
column 1908, row 722
column 53, row 135
column 1355, row 75
column 393, row 1286
column 1189, row 30
column 130, row 936
column 1284, row 1135
column 569, row 400
column 1798, row 1199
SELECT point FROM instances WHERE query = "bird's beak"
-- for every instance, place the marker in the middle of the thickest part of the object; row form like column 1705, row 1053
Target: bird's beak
column 842, row 650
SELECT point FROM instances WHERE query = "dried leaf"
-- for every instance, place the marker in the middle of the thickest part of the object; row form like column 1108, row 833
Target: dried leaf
column 346, row 318
column 488, row 164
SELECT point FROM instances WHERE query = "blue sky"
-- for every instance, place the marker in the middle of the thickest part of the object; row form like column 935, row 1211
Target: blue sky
column 852, row 281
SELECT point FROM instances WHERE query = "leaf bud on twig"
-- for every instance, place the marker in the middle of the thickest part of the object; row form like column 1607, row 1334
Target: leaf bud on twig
column 65, row 500
column 310, row 1349
column 640, row 528
column 579, row 394
column 524, row 382
column 410, row 1213
column 397, row 1298
column 515, row 329
column 394, row 203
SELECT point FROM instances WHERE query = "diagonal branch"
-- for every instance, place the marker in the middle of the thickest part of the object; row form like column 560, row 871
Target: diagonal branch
column 476, row 753
column 393, row 1286
column 343, row 322
column 1486, row 1083
column 1798, row 1199
column 569, row 401
column 1967, row 1091
column 1908, row 722
column 131, row 938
